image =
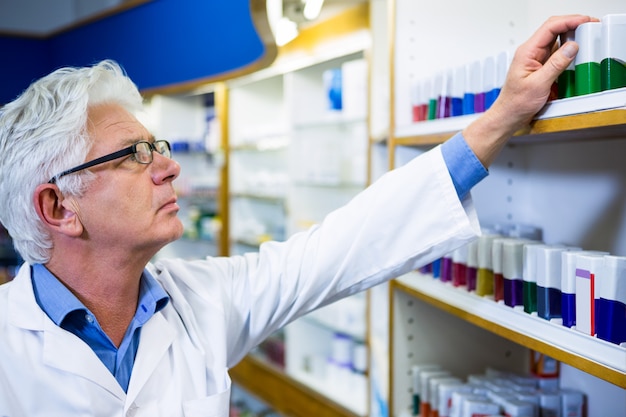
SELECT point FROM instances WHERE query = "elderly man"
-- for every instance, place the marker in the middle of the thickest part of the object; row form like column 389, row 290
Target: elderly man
column 90, row 327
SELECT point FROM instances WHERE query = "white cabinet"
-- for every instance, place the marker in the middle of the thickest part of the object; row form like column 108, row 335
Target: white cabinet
column 328, row 152
column 285, row 120
column 189, row 123
column 564, row 175
column 294, row 157
column 328, row 167
column 258, row 151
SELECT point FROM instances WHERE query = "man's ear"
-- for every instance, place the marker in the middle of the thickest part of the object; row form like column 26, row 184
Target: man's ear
column 55, row 211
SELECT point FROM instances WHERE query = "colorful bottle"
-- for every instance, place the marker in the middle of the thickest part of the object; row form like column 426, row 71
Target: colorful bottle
column 490, row 81
column 568, row 288
column 425, row 378
column 435, row 384
column 572, row 403
column 588, row 268
column 472, row 87
column 446, row 389
column 587, row 61
column 446, row 268
column 424, row 98
column 458, row 90
column 613, row 59
column 565, row 82
column 529, row 275
column 426, row 269
column 611, row 315
column 497, row 265
column 518, row 408
column 444, row 103
column 484, row 277
column 568, row 284
column 433, row 98
column 479, row 95
column 550, row 404
column 512, row 271
column 332, row 83
column 416, row 104
column 472, row 265
column 549, row 282
column 459, row 266
column 416, row 371
column 503, row 62
column 479, row 407
column 435, row 268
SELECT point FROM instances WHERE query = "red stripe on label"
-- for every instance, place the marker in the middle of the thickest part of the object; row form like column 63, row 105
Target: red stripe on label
column 592, row 276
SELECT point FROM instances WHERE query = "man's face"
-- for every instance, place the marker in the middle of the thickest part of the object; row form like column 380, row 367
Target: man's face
column 129, row 206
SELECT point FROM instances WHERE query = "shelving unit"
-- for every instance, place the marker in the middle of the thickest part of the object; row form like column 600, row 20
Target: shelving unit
column 328, row 167
column 320, row 157
column 426, row 332
column 597, row 357
column 562, row 173
column 244, row 404
column 316, row 342
column 281, row 118
column 191, row 124
column 328, row 152
column 607, row 124
column 258, row 144
column 286, row 395
column 528, row 175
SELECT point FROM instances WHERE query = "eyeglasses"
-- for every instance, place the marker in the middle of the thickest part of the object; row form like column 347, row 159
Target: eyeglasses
column 142, row 152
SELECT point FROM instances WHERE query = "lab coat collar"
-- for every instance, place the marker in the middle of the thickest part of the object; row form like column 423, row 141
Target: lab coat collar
column 65, row 351
column 61, row 349
column 23, row 310
column 157, row 335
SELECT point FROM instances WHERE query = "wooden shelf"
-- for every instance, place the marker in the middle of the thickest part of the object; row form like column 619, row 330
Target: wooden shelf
column 250, row 242
column 284, row 394
column 313, row 183
column 597, row 357
column 329, row 119
column 262, row 145
column 270, row 198
column 606, row 123
column 538, row 160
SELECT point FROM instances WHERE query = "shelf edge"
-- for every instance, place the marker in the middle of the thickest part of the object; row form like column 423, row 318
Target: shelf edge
column 571, row 127
column 284, row 393
column 594, row 356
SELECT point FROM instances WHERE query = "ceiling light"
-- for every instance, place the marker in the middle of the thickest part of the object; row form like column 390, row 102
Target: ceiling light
column 312, row 9
column 286, row 31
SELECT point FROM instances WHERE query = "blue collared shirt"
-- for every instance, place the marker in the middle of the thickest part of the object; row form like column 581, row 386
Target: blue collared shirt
column 464, row 167
column 70, row 314
column 66, row 311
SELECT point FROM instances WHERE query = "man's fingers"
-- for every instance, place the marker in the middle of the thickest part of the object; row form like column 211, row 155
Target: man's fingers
column 554, row 26
column 558, row 62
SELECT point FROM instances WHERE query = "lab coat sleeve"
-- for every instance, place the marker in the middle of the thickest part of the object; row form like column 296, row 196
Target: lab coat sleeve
column 408, row 218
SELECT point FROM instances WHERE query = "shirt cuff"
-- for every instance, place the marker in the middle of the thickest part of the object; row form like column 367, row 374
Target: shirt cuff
column 464, row 167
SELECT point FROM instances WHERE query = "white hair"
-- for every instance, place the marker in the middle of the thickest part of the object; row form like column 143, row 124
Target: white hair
column 43, row 132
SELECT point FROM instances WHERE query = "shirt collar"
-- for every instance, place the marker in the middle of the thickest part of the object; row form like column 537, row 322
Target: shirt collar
column 152, row 297
column 57, row 301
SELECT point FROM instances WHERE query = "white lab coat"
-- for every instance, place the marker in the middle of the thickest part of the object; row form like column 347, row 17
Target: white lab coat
column 220, row 308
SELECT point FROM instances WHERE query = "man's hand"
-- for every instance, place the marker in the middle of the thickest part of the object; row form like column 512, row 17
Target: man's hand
column 534, row 69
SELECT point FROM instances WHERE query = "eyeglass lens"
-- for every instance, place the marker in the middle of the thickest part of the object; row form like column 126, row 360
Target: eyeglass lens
column 143, row 150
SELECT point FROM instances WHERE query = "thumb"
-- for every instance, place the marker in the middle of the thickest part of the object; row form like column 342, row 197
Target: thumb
column 558, row 61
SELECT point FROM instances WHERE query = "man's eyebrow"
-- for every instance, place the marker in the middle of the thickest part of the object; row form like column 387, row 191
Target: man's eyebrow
column 130, row 142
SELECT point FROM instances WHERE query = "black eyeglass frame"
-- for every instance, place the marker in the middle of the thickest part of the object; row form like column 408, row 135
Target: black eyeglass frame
column 115, row 155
